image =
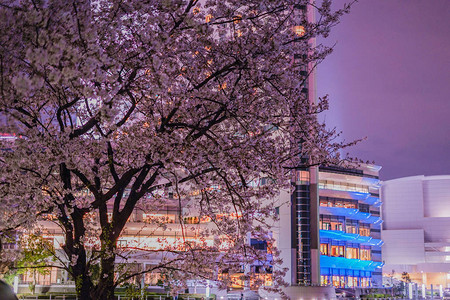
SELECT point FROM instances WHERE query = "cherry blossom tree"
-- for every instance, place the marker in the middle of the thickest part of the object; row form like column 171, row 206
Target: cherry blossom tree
column 113, row 102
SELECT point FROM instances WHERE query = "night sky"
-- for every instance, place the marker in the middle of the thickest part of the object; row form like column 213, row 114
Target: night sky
column 389, row 80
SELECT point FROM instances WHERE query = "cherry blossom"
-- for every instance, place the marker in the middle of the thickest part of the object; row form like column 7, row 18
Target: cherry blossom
column 125, row 106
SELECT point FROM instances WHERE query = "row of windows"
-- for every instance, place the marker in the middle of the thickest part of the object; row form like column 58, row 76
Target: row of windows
column 238, row 280
column 341, row 224
column 301, row 177
column 345, row 203
column 342, row 186
column 338, row 202
column 345, row 281
column 362, row 253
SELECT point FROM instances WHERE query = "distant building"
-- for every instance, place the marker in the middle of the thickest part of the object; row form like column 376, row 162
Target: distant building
column 416, row 228
column 330, row 232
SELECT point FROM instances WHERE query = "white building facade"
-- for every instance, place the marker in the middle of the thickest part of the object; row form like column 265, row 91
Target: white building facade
column 416, row 228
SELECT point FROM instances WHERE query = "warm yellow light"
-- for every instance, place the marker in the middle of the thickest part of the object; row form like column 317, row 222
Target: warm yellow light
column 299, row 30
column 208, row 18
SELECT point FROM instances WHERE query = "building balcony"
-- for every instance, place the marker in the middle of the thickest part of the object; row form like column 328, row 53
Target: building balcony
column 350, row 213
column 350, row 237
column 365, row 198
column 347, row 263
column 360, row 196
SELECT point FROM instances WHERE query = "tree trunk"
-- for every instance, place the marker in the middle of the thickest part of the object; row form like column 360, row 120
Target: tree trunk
column 84, row 287
column 83, row 283
column 105, row 287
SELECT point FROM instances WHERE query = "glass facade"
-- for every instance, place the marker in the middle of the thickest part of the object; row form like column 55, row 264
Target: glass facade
column 349, row 226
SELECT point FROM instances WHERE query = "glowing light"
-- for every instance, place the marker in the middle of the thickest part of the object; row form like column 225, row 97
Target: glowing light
column 299, row 30
column 208, row 18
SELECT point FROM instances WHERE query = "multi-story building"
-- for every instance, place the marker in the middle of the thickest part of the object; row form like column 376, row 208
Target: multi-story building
column 416, row 229
column 148, row 231
column 333, row 218
column 350, row 240
column 332, row 226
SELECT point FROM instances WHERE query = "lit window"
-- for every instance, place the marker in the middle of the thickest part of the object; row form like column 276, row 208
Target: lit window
column 350, row 281
column 299, row 30
column 351, row 253
column 337, row 251
column 364, row 230
column 324, row 225
column 336, row 225
column 158, row 218
column 302, row 177
column 365, row 254
column 336, row 281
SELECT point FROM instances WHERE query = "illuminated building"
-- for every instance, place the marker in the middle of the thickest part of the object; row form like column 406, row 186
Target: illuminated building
column 339, row 216
column 416, row 228
column 145, row 232
column 329, row 233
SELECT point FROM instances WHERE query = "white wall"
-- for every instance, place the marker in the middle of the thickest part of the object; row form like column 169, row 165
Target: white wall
column 437, row 197
column 416, row 228
column 403, row 246
column 402, row 206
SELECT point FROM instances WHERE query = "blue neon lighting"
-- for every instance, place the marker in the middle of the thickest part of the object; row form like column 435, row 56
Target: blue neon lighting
column 361, row 216
column 344, row 194
column 358, row 195
column 350, row 213
column 338, row 211
column 371, row 181
column 373, row 220
column 346, row 263
column 350, row 237
column 371, row 200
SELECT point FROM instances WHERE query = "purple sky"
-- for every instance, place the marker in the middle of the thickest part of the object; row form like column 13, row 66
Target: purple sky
column 389, row 80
